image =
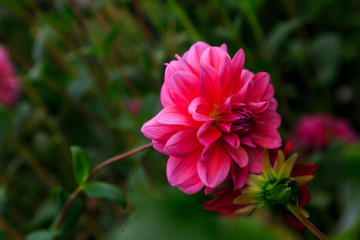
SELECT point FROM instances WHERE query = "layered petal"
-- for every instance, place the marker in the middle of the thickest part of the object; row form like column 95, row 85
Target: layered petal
column 181, row 170
column 209, row 84
column 183, row 88
column 182, row 143
column 213, row 56
column 215, row 167
column 239, row 175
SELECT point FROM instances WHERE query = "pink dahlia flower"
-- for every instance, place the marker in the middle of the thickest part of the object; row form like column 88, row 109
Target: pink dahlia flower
column 318, row 130
column 216, row 121
column 9, row 88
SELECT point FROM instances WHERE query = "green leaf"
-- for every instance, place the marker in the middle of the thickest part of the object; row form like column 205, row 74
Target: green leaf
column 105, row 190
column 42, row 235
column 82, row 164
column 278, row 36
column 327, row 50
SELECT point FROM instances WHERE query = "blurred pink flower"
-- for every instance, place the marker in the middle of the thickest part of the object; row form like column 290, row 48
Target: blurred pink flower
column 134, row 106
column 9, row 88
column 216, row 121
column 318, row 130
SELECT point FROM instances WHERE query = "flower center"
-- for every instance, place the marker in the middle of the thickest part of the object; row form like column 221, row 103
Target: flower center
column 245, row 122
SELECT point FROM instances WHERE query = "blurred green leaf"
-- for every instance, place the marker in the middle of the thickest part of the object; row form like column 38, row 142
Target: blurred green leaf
column 278, row 36
column 44, row 214
column 82, row 164
column 42, row 235
column 327, row 50
column 3, row 199
column 41, row 37
column 352, row 159
column 105, row 190
column 176, row 216
column 250, row 6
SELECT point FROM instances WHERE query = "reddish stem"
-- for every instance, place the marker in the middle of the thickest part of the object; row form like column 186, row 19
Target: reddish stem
column 78, row 190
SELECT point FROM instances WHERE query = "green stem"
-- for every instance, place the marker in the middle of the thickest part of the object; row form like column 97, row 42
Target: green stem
column 78, row 190
column 295, row 211
column 9, row 230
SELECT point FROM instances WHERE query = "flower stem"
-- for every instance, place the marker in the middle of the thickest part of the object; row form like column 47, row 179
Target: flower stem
column 66, row 207
column 294, row 210
column 9, row 230
column 117, row 158
column 78, row 190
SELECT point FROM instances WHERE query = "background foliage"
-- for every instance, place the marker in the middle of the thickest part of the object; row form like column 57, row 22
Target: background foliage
column 91, row 73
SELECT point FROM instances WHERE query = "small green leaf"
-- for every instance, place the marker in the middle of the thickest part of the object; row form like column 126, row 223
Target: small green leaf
column 82, row 164
column 105, row 190
column 42, row 235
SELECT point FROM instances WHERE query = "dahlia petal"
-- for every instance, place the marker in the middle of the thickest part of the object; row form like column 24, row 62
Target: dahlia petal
column 232, row 139
column 303, row 196
column 239, row 155
column 155, row 130
column 223, row 47
column 225, row 77
column 262, row 81
column 193, row 55
column 183, row 88
column 246, row 76
column 181, row 169
column 257, row 107
column 273, row 105
column 267, row 137
column 288, row 148
column 209, row 83
column 247, row 141
column 165, row 96
column 172, row 115
column 270, row 118
column 225, row 108
column 224, row 127
column 239, row 175
column 212, row 56
column 269, row 93
column 182, row 143
column 224, row 202
column 186, row 66
column 255, row 159
column 200, row 110
column 207, row 134
column 241, row 94
column 171, row 68
column 237, row 63
column 208, row 190
column 216, row 167
column 303, row 169
column 159, row 145
column 196, row 186
column 250, row 89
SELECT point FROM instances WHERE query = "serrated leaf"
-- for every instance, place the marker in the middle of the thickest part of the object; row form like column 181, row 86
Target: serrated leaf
column 105, row 190
column 82, row 164
column 42, row 235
